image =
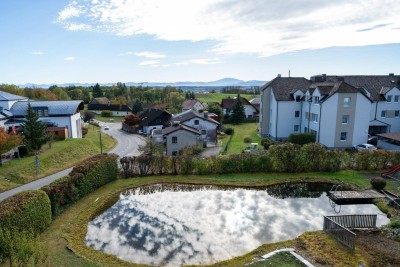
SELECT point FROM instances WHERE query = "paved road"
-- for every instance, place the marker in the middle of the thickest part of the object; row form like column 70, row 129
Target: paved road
column 127, row 145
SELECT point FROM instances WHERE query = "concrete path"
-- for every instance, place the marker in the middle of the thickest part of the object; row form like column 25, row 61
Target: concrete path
column 127, row 145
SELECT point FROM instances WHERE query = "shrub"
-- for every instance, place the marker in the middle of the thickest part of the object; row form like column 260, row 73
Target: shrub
column 23, row 151
column 229, row 131
column 85, row 178
column 106, row 113
column 394, row 224
column 85, row 131
column 28, row 211
column 266, row 143
column 301, row 138
column 378, row 183
column 247, row 139
column 285, row 157
column 87, row 116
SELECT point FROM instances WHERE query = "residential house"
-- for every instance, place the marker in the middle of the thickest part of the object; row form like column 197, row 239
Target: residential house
column 154, row 119
column 192, row 104
column 7, row 100
column 116, row 109
column 256, row 102
column 180, row 136
column 250, row 110
column 205, row 125
column 340, row 110
column 53, row 113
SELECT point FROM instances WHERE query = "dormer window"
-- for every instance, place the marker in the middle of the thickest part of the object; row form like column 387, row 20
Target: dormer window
column 389, row 98
column 396, row 99
column 316, row 99
column 298, row 98
column 41, row 111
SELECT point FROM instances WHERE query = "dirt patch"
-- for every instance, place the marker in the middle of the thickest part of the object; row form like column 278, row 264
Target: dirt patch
column 377, row 249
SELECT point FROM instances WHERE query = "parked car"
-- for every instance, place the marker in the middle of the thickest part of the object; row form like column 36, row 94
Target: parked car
column 373, row 140
column 106, row 127
column 362, row 147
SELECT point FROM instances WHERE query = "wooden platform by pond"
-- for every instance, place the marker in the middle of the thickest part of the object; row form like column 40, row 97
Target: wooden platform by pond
column 355, row 195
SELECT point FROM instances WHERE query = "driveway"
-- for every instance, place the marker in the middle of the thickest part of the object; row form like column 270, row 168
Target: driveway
column 127, row 145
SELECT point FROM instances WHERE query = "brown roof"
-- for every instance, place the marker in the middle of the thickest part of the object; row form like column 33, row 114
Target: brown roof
column 372, row 83
column 228, row 103
column 190, row 114
column 392, row 136
column 282, row 87
column 101, row 100
column 189, row 103
column 327, row 89
column 175, row 128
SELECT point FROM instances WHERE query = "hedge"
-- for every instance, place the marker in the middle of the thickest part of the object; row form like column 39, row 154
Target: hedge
column 85, row 178
column 28, row 211
column 285, row 157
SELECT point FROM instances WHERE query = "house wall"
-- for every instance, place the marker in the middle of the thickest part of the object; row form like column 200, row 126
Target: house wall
column 184, row 139
column 265, row 106
column 390, row 107
column 73, row 123
column 361, row 122
column 147, row 129
column 209, row 127
column 114, row 113
column 328, row 121
column 8, row 104
column 249, row 111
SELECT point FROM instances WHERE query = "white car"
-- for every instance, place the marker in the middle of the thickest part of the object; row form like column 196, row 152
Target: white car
column 106, row 127
column 362, row 147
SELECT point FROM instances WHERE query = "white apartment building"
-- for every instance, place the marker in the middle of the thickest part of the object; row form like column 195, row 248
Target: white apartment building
column 340, row 110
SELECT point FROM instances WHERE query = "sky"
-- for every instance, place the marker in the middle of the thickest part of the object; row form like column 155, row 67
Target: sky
column 88, row 41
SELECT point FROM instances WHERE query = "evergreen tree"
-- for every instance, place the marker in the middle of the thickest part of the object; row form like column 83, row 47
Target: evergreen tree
column 238, row 114
column 34, row 131
column 97, row 92
column 137, row 106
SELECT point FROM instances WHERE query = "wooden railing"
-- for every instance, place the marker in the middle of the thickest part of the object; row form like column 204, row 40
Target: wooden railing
column 338, row 227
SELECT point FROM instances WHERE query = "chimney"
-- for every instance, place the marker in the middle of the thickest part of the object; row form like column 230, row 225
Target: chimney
column 391, row 74
column 279, row 76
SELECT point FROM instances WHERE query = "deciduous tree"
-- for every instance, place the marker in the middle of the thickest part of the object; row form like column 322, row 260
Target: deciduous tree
column 8, row 141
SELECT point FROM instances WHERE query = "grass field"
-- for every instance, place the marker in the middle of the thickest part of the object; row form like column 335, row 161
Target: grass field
column 237, row 144
column 62, row 154
column 217, row 97
column 64, row 238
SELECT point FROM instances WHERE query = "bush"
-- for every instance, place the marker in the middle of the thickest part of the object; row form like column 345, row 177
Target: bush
column 247, row 139
column 229, row 131
column 85, row 131
column 106, row 113
column 301, row 138
column 266, row 143
column 394, row 224
column 85, row 178
column 378, row 183
column 28, row 211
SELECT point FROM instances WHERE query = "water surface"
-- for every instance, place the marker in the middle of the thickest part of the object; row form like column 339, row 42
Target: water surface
column 176, row 225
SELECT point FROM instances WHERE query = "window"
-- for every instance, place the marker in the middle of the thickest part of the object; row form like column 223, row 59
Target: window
column 389, row 98
column 345, row 119
column 316, row 99
column 313, row 132
column 298, row 98
column 307, row 115
column 396, row 113
column 346, row 102
column 174, row 139
column 174, row 153
column 305, row 129
column 203, row 132
column 314, row 117
column 343, row 136
column 296, row 128
column 383, row 113
column 196, row 122
column 396, row 98
column 297, row 114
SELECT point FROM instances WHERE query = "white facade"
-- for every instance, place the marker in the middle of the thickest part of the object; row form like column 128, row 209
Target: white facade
column 180, row 139
column 207, row 128
column 388, row 111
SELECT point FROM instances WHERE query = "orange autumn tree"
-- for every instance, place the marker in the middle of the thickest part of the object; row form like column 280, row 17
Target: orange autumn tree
column 8, row 141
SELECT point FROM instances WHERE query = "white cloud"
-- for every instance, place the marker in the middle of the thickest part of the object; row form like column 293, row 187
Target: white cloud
column 37, row 53
column 199, row 61
column 148, row 54
column 78, row 27
column 263, row 27
column 69, row 58
column 129, row 53
column 149, row 62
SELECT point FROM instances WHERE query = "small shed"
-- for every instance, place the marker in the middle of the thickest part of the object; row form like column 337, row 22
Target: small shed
column 59, row 133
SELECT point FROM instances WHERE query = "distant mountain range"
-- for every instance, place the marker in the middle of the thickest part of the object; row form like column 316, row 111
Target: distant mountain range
column 218, row 84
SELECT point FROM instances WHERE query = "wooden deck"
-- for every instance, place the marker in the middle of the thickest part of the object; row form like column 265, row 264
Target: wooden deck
column 355, row 195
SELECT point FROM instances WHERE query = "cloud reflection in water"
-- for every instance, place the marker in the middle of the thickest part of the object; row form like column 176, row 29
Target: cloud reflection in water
column 175, row 228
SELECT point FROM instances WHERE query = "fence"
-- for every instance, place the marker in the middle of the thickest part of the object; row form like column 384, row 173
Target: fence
column 337, row 226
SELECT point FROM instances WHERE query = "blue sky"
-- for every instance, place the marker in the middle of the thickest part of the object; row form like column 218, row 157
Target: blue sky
column 47, row 41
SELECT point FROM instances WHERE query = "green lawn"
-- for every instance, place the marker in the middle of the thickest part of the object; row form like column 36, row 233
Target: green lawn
column 62, row 154
column 217, row 97
column 281, row 259
column 237, row 144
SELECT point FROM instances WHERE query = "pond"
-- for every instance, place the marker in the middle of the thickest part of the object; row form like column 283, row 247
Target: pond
column 173, row 225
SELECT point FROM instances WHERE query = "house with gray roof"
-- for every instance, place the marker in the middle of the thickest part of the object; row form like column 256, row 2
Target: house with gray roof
column 201, row 122
column 192, row 104
column 340, row 110
column 54, row 113
column 178, row 137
